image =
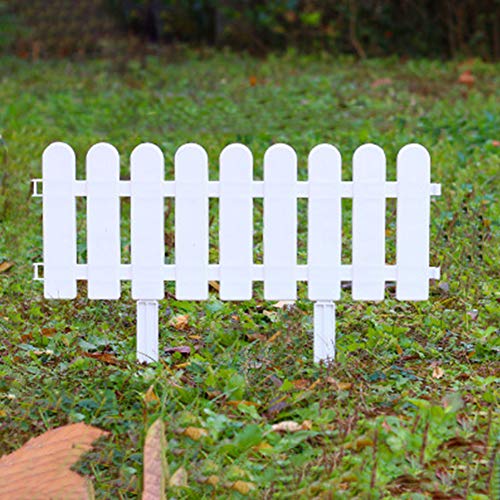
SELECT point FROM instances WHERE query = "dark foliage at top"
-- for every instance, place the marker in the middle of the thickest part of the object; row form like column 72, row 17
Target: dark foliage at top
column 440, row 28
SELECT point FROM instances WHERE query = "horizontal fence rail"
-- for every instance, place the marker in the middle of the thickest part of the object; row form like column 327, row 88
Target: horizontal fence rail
column 236, row 190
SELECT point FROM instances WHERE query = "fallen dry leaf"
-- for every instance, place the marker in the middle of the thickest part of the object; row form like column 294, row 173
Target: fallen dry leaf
column 381, row 82
column 105, row 357
column 212, row 480
column 437, row 372
column 48, row 332
column 291, row 426
column 467, row 78
column 155, row 462
column 215, row 285
column 301, row 383
column 273, row 337
column 263, row 445
column 360, row 443
column 339, row 386
column 179, row 478
column 180, row 322
column 195, row 433
column 181, row 349
column 281, row 304
column 243, row 487
column 237, row 402
column 5, row 266
column 40, row 469
column 474, row 445
column 150, row 396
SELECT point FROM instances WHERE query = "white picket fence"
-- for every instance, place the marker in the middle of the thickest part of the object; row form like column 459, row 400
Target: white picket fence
column 236, row 189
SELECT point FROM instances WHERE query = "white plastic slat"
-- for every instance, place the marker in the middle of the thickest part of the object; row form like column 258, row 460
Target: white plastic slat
column 147, row 331
column 325, row 223
column 413, row 219
column 147, row 222
column 280, row 223
column 368, row 223
column 191, row 223
column 324, row 331
column 236, row 223
column 103, row 222
column 59, row 222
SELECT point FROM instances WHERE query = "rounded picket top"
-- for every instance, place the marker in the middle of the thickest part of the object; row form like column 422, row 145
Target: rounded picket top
column 369, row 162
column 414, row 163
column 324, row 162
column 280, row 150
column 235, row 161
column 147, row 162
column 280, row 163
column 58, row 160
column 103, row 161
column 191, row 160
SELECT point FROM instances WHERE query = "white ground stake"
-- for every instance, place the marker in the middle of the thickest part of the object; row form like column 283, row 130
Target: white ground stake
column 147, row 331
column 324, row 331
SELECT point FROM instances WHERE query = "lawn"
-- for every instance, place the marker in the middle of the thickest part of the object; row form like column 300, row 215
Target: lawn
column 410, row 407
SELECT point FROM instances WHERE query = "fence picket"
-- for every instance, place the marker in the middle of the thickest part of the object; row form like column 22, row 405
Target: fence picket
column 280, row 223
column 147, row 222
column 368, row 223
column 325, row 223
column 413, row 219
column 59, row 222
column 103, row 222
column 236, row 223
column 191, row 223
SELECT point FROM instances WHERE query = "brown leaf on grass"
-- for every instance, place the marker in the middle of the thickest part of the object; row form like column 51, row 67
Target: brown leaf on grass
column 48, row 332
column 339, row 386
column 180, row 322
column 195, row 433
column 212, row 480
column 301, row 383
column 255, row 336
column 179, row 479
column 360, row 443
column 407, row 483
column 5, row 266
column 475, row 445
column 467, row 79
column 238, row 402
column 283, row 304
column 155, row 462
column 243, row 487
column 274, row 336
column 379, row 82
column 105, row 357
column 291, row 426
column 150, row 395
column 215, row 285
column 441, row 495
column 185, row 350
column 40, row 469
column 437, row 372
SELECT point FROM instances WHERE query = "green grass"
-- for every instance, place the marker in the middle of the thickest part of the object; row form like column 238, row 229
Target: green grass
column 382, row 425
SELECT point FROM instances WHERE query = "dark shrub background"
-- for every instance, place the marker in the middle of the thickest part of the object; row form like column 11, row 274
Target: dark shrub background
column 429, row 28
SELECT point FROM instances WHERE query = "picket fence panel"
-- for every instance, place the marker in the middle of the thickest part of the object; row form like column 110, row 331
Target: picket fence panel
column 236, row 189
